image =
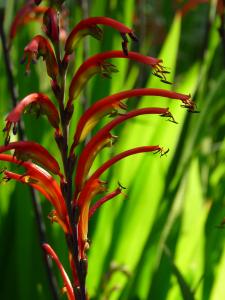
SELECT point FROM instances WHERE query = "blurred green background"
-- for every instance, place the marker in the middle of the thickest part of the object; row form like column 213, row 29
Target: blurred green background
column 164, row 241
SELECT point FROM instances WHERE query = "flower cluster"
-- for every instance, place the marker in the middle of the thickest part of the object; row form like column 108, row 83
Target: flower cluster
column 72, row 202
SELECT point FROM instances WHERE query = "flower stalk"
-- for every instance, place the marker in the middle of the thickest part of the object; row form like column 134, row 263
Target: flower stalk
column 73, row 199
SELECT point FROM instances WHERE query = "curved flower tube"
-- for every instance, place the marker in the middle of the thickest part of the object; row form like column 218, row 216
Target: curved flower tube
column 68, row 286
column 37, row 102
column 28, row 12
column 93, row 186
column 89, row 27
column 104, row 199
column 25, row 150
column 111, row 103
column 42, row 181
column 40, row 46
column 103, row 138
column 98, row 64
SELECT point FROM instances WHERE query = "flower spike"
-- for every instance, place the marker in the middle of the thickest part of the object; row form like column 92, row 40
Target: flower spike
column 30, row 150
column 40, row 46
column 89, row 27
column 98, row 64
column 35, row 102
column 113, row 102
column 69, row 289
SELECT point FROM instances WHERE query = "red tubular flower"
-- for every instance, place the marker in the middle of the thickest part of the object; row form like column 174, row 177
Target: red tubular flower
column 112, row 103
column 28, row 12
column 68, row 286
column 35, row 102
column 42, row 181
column 30, row 150
column 104, row 199
column 93, row 186
column 103, row 138
column 40, row 46
column 97, row 64
column 89, row 27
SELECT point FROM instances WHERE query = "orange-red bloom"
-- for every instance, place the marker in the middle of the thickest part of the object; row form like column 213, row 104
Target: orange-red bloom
column 35, row 102
column 104, row 138
column 40, row 46
column 92, row 187
column 98, row 64
column 25, row 150
column 112, row 103
column 68, row 286
column 89, row 27
column 42, row 181
column 104, row 199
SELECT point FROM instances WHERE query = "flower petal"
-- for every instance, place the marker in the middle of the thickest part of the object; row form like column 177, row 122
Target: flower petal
column 104, row 199
column 40, row 46
column 25, row 150
column 41, row 180
column 37, row 102
column 89, row 27
column 102, row 138
column 98, row 64
column 69, row 289
column 93, row 186
column 110, row 103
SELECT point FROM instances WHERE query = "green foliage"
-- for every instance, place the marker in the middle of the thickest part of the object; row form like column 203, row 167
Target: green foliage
column 163, row 241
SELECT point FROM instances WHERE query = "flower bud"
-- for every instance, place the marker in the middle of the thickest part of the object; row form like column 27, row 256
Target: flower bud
column 50, row 24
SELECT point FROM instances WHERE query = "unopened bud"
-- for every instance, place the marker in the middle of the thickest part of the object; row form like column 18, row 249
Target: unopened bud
column 50, row 24
column 56, row 89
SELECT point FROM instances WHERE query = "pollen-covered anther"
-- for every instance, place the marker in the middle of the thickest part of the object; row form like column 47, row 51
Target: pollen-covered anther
column 2, row 170
column 6, row 131
column 169, row 116
column 90, row 27
column 121, row 186
column 190, row 105
column 52, row 216
column 96, row 32
column 159, row 150
column 106, row 69
column 4, row 179
column 164, row 151
column 160, row 71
